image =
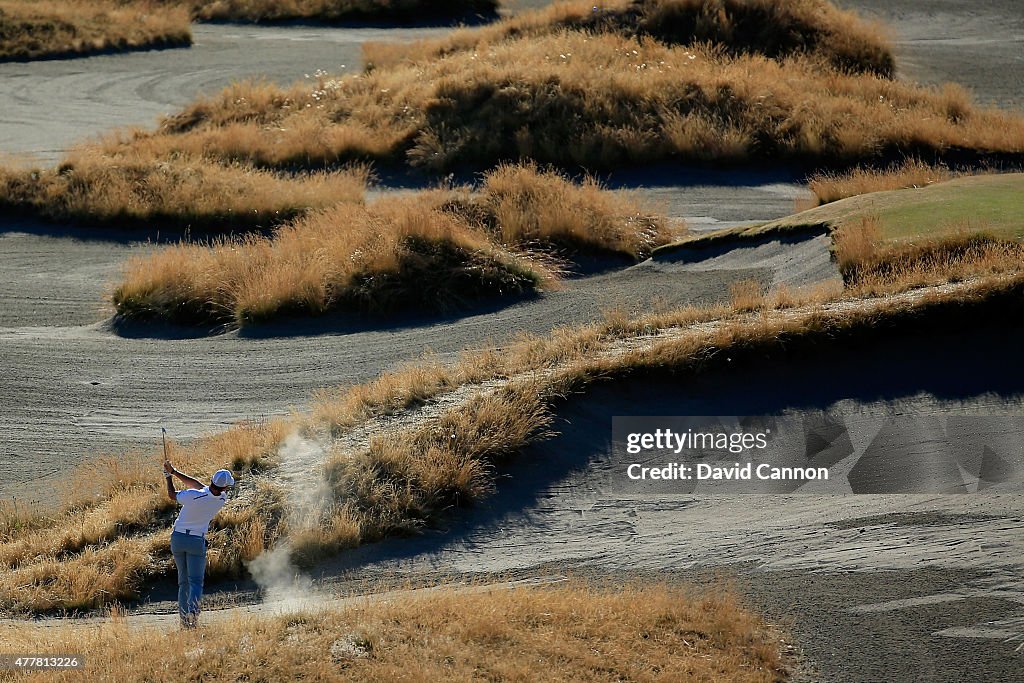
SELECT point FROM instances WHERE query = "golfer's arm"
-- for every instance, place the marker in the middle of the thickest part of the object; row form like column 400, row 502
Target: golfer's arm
column 171, row 493
column 194, row 483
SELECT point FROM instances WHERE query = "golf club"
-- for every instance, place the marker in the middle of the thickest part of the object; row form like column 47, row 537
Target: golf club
column 163, row 435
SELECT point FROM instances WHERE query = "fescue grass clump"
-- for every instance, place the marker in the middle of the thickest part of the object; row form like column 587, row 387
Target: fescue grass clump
column 572, row 631
column 400, row 484
column 375, row 259
column 856, row 245
column 523, row 205
column 598, row 101
column 439, row 250
column 16, row 517
column 178, row 193
column 35, row 29
column 32, row 29
column 911, row 173
column 771, row 28
column 747, row 295
column 868, row 263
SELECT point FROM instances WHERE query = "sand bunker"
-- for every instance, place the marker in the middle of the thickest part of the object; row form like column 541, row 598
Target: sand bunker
column 793, row 260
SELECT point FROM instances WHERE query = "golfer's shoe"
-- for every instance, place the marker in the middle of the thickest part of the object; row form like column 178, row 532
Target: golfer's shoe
column 189, row 621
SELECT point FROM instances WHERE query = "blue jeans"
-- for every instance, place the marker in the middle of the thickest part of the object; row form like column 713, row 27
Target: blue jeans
column 190, row 557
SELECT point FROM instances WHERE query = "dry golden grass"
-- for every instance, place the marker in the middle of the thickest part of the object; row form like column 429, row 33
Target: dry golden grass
column 567, row 632
column 376, row 259
column 406, row 481
column 522, row 205
column 436, row 250
column 341, row 408
column 856, row 244
column 747, row 295
column 561, row 87
column 949, row 259
column 109, row 532
column 768, row 27
column 32, row 29
column 575, row 98
column 831, row 187
column 180, row 193
column 16, row 518
column 870, row 265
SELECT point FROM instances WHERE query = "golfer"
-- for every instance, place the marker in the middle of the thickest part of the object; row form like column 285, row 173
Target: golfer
column 188, row 540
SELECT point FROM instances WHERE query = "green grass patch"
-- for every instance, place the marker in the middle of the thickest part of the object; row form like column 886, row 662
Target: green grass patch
column 993, row 204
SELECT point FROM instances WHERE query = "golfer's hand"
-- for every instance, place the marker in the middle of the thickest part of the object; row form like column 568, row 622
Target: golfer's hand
column 168, row 467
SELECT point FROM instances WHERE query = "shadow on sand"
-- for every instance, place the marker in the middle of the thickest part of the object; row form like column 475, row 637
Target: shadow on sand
column 24, row 222
column 662, row 175
column 334, row 323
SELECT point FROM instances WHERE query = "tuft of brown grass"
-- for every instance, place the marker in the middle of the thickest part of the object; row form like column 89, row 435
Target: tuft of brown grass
column 522, row 205
column 408, row 386
column 911, row 173
column 181, row 193
column 748, row 295
column 16, row 518
column 325, row 533
column 766, row 27
column 856, row 244
column 37, row 29
column 870, row 265
column 386, row 258
column 401, row 484
column 959, row 256
column 568, row 632
column 437, row 250
column 34, row 29
column 573, row 99
column 94, row 576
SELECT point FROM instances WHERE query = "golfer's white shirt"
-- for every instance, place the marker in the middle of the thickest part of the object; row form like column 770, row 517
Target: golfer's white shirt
column 198, row 506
